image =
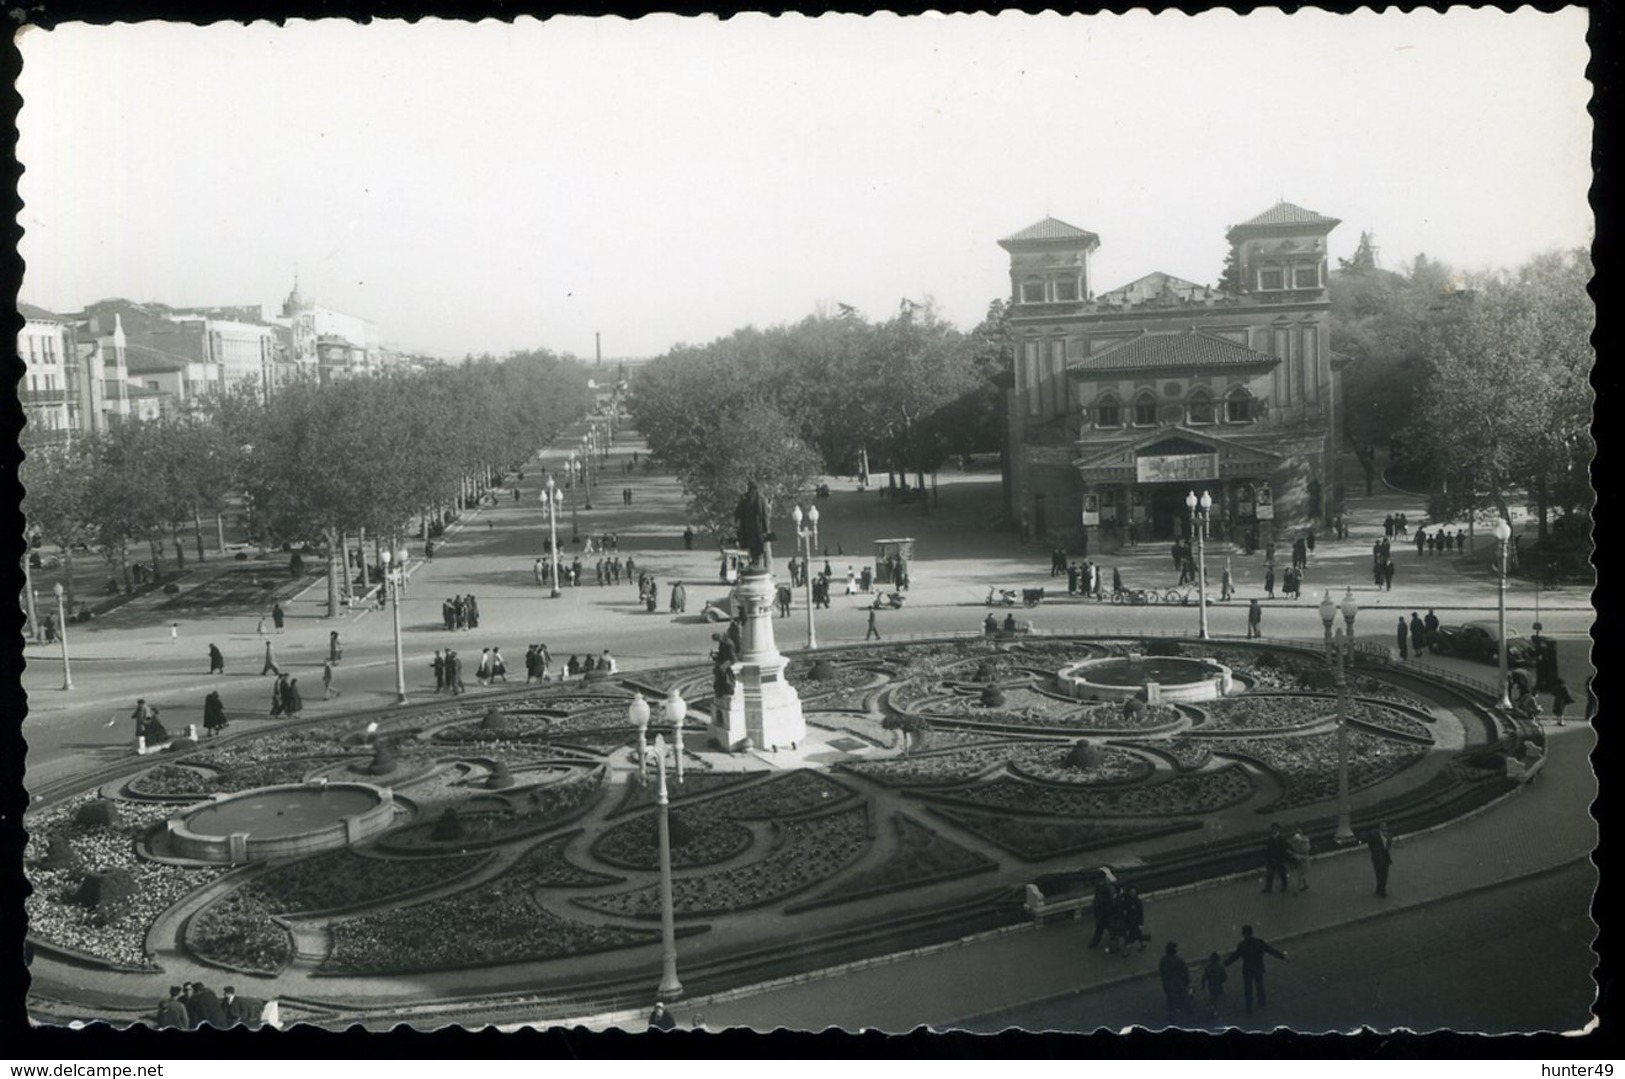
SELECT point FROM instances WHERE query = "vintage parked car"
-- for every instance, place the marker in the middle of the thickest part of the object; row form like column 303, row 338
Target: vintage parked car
column 719, row 610
column 1481, row 641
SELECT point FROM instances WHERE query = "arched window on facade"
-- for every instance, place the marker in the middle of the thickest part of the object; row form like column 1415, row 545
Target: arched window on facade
column 1108, row 411
column 1145, row 409
column 1199, row 407
column 1238, row 406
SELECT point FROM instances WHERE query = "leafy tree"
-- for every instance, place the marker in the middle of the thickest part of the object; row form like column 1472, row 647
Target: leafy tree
column 753, row 441
column 56, row 503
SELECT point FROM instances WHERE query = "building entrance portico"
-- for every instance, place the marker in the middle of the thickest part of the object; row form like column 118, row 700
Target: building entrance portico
column 1135, row 492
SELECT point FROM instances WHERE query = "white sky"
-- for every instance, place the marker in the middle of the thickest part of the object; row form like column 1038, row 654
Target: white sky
column 488, row 186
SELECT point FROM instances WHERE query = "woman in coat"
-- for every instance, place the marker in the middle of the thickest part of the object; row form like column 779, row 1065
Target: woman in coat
column 214, row 713
column 291, row 700
column 217, row 662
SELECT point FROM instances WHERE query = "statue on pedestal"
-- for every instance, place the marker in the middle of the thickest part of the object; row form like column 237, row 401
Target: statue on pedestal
column 751, row 518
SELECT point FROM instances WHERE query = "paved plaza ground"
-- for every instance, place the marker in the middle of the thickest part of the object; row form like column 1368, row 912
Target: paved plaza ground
column 1529, row 849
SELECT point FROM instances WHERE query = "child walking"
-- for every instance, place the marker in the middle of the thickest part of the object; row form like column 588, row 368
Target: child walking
column 1213, row 976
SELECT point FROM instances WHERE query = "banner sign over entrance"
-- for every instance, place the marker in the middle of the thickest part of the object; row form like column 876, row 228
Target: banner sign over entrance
column 1176, row 467
column 1091, row 510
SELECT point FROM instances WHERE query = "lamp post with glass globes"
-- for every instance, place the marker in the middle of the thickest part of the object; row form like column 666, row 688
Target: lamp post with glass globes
column 1340, row 654
column 586, row 468
column 62, row 635
column 1503, row 536
column 638, row 713
column 392, row 581
column 550, row 499
column 809, row 537
column 676, row 712
column 670, row 987
column 1199, row 508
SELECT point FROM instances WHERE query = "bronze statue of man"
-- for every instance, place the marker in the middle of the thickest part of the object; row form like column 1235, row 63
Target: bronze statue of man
column 751, row 517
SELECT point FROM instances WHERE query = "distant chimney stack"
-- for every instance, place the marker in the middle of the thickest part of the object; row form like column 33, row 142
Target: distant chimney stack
column 598, row 348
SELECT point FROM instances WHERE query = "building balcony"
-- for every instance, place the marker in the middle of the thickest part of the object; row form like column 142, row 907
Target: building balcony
column 43, row 397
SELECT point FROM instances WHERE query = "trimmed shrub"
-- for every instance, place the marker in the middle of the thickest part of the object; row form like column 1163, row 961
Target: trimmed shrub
column 102, row 813
column 59, row 853
column 1162, row 648
column 822, row 671
column 105, row 889
column 682, row 832
column 986, row 672
column 181, row 744
column 992, row 697
column 384, row 760
column 500, row 776
column 449, row 826
column 172, row 589
column 1085, row 754
column 494, row 720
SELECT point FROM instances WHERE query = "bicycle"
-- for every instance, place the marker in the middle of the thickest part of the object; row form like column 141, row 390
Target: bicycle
column 1134, row 597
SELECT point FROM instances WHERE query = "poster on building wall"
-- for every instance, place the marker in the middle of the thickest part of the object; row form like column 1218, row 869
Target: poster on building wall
column 1091, row 510
column 1266, row 503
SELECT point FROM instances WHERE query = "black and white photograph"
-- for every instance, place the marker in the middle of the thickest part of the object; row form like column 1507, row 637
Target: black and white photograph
column 959, row 523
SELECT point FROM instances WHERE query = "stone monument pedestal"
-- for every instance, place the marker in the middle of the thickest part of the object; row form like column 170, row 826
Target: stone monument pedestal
column 765, row 711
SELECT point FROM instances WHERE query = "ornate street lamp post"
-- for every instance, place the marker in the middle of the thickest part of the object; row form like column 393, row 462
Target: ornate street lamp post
column 550, row 499
column 809, row 537
column 62, row 635
column 1503, row 534
column 670, row 987
column 1199, row 508
column 392, row 581
column 586, row 468
column 676, row 712
column 574, row 465
column 1340, row 653
column 638, row 713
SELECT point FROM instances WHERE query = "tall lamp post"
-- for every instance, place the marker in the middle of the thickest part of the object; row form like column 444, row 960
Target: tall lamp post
column 62, row 635
column 1199, row 508
column 670, row 987
column 1503, row 534
column 1340, row 653
column 676, row 712
column 586, row 468
column 550, row 499
column 392, row 581
column 574, row 465
column 809, row 537
column 638, row 713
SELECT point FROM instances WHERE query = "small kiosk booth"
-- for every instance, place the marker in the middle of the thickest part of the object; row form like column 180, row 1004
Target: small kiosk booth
column 891, row 556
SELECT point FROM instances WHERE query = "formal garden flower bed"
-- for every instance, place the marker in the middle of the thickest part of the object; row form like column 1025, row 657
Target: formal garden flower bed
column 1306, row 765
column 114, row 934
column 921, row 857
column 1040, row 840
column 1056, row 763
column 1390, row 720
column 699, row 836
column 173, row 780
column 238, row 931
column 810, row 851
column 1265, row 712
column 547, row 865
column 1201, row 792
column 1188, row 754
column 497, row 923
column 642, row 795
column 785, row 795
column 546, row 807
column 936, row 768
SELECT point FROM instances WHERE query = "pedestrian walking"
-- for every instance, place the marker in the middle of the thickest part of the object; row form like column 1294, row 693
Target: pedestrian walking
column 679, row 598
column 279, row 697
column 328, row 689
column 499, row 668
column 270, row 666
column 1276, row 857
column 1226, row 585
column 1561, row 699
column 1176, row 982
column 278, row 616
column 454, row 674
column 482, row 673
column 292, row 701
column 1381, row 846
column 1213, row 978
column 1131, row 916
column 259, row 628
column 1251, row 950
column 1255, row 616
column 1403, row 638
column 334, row 651
column 438, row 665
column 1104, row 904
column 217, row 661
column 1269, row 579
column 1418, row 634
column 214, row 713
column 1298, row 846
column 1388, row 574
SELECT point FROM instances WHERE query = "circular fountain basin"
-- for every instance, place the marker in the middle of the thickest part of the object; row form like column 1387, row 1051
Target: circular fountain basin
column 1165, row 679
column 280, row 822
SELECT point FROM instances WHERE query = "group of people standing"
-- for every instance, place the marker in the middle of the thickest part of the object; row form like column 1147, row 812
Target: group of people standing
column 192, row 1004
column 460, row 612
